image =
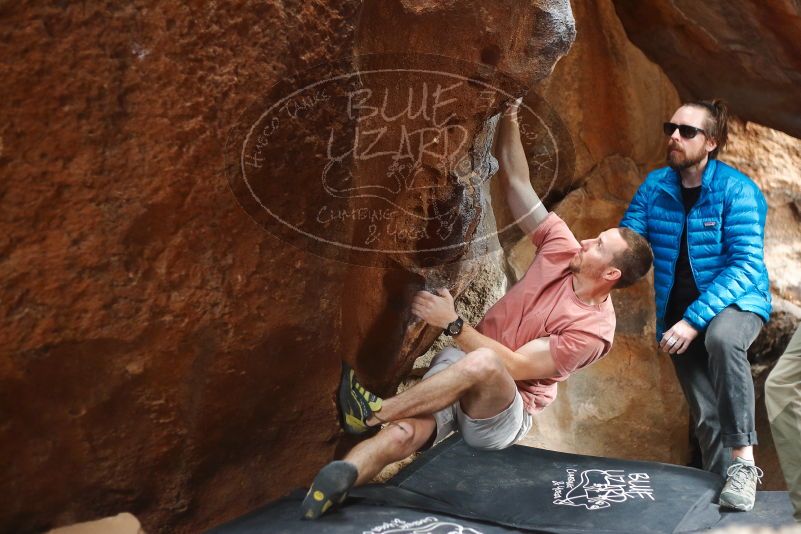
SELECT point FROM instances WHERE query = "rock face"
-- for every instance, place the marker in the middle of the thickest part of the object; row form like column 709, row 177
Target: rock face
column 160, row 355
column 166, row 355
column 481, row 45
column 746, row 52
column 773, row 160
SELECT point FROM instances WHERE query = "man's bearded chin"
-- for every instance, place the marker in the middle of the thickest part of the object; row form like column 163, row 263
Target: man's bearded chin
column 678, row 161
column 574, row 266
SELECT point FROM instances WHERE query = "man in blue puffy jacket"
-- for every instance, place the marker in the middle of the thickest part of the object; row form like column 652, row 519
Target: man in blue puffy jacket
column 706, row 222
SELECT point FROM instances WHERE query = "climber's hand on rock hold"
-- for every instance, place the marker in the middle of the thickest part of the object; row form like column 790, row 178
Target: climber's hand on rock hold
column 678, row 338
column 436, row 310
column 511, row 107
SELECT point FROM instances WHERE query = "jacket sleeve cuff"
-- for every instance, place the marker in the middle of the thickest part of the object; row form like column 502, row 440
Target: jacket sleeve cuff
column 693, row 322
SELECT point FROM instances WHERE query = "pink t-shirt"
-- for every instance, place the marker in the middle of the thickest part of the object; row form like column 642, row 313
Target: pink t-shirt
column 544, row 304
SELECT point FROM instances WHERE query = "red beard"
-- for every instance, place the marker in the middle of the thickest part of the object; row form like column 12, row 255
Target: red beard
column 678, row 160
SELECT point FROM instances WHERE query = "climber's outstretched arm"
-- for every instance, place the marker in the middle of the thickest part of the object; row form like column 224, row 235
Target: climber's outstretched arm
column 523, row 201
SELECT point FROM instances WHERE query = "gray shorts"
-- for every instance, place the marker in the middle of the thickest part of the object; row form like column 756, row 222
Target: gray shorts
column 497, row 432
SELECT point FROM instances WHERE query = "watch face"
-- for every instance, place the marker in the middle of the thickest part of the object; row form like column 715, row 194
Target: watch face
column 455, row 327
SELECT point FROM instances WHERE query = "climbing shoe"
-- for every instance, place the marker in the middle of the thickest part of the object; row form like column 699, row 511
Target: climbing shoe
column 739, row 492
column 329, row 489
column 356, row 404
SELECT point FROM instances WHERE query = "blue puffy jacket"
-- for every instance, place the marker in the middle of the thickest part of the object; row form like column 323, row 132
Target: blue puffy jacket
column 725, row 237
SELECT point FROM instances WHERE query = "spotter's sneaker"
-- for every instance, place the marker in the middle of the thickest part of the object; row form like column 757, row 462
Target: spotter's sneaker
column 356, row 404
column 739, row 492
column 329, row 489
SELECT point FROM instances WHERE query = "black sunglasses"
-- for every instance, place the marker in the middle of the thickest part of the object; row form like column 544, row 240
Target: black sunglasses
column 686, row 131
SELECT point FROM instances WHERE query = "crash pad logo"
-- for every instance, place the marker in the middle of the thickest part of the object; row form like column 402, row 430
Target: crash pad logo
column 596, row 489
column 427, row 525
column 387, row 158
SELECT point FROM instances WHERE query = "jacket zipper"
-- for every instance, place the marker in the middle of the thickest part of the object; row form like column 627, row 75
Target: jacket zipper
column 689, row 256
column 673, row 267
column 684, row 223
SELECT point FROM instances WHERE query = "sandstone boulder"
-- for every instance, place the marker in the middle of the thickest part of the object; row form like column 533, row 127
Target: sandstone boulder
column 166, row 354
column 746, row 52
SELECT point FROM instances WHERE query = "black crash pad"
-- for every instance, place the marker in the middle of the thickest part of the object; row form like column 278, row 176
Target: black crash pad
column 356, row 517
column 454, row 488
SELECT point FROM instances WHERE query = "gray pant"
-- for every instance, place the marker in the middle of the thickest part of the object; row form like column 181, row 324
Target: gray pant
column 715, row 376
column 783, row 401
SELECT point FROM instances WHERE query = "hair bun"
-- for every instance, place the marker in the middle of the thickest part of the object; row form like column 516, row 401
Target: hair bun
column 717, row 124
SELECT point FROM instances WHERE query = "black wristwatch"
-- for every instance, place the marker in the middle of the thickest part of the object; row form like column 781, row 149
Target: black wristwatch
column 455, row 328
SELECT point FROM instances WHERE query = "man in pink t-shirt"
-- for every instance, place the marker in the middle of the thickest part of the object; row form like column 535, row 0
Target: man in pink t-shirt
column 559, row 318
column 578, row 332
